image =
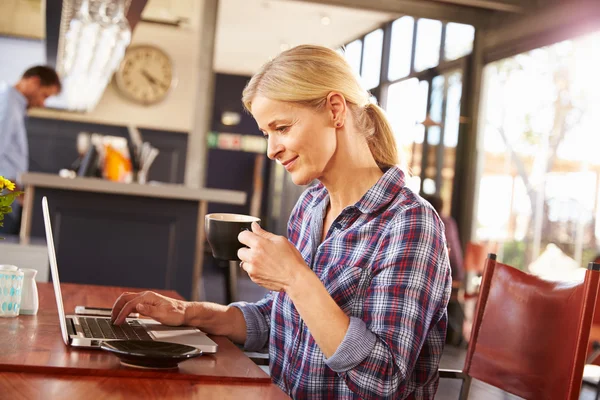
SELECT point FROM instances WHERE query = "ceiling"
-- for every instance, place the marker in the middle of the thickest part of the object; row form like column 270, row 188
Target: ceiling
column 249, row 32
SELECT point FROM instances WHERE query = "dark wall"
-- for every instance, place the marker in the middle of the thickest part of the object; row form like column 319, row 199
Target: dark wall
column 115, row 240
column 53, row 146
column 229, row 169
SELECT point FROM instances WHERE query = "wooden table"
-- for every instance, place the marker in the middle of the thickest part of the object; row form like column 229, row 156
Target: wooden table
column 35, row 362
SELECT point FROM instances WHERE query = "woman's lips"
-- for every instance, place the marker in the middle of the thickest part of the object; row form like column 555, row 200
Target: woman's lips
column 288, row 164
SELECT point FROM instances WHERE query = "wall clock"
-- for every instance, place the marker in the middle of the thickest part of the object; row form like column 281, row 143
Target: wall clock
column 145, row 75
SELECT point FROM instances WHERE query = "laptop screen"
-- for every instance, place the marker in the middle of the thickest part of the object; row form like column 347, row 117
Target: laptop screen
column 54, row 270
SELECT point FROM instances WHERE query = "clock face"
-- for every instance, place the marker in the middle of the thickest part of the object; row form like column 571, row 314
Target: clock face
column 145, row 75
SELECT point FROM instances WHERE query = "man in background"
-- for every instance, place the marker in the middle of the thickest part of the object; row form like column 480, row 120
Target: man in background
column 35, row 86
column 452, row 238
column 454, row 334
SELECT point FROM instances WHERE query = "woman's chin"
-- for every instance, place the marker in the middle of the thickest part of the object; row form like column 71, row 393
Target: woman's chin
column 301, row 179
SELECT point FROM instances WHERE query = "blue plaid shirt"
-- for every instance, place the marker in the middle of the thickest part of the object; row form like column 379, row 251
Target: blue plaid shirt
column 385, row 263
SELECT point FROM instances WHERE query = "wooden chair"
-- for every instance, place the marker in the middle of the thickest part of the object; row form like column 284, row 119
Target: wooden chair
column 474, row 262
column 529, row 336
column 591, row 372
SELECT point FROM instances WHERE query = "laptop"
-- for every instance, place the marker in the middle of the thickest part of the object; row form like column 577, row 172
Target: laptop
column 89, row 332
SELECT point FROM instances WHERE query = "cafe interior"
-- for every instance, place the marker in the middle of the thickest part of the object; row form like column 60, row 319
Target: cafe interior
column 495, row 108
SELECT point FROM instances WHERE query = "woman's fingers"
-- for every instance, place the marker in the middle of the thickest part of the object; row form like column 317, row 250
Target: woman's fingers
column 144, row 298
column 121, row 301
column 244, row 254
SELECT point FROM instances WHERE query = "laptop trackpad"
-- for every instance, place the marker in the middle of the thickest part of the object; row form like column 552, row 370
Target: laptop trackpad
column 180, row 334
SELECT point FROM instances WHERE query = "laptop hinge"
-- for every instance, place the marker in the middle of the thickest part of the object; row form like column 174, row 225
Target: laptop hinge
column 71, row 327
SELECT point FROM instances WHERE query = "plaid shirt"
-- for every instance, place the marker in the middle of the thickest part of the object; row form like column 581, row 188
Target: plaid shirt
column 384, row 261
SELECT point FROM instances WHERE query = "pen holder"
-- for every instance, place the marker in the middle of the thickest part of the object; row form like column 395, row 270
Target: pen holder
column 11, row 285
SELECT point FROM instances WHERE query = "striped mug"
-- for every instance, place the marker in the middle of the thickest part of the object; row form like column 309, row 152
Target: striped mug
column 11, row 285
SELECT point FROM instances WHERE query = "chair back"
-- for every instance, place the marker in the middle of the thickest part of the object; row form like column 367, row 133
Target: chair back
column 529, row 335
column 597, row 313
column 475, row 255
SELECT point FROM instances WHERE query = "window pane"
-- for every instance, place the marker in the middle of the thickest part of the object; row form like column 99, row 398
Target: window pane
column 401, row 48
column 435, row 112
column 353, row 54
column 421, row 111
column 429, row 38
column 371, row 66
column 451, row 124
column 459, row 40
column 401, row 109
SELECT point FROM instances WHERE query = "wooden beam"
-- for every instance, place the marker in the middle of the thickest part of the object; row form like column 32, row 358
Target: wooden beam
column 507, row 37
column 418, row 8
column 495, row 5
column 134, row 14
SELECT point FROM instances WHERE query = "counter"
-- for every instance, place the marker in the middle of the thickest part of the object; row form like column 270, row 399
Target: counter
column 118, row 234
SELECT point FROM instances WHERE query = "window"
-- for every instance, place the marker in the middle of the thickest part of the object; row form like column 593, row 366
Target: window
column 401, row 48
column 451, row 125
column 459, row 40
column 423, row 82
column 429, row 38
column 539, row 190
column 371, row 62
column 353, row 55
column 403, row 110
column 435, row 112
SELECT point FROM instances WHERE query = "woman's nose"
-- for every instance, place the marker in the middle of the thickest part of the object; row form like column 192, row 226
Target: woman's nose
column 274, row 147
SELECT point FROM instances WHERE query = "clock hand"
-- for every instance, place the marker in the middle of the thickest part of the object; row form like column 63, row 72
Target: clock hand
column 153, row 80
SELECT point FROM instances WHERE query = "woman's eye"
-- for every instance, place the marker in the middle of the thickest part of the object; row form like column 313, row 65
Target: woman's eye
column 282, row 129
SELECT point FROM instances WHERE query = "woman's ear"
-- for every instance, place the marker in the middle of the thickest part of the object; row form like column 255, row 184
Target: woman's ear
column 336, row 107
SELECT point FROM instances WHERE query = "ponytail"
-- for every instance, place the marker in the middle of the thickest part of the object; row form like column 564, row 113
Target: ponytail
column 382, row 143
column 371, row 120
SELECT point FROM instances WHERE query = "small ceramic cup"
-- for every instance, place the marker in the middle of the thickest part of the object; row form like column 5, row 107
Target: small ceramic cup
column 11, row 284
column 222, row 232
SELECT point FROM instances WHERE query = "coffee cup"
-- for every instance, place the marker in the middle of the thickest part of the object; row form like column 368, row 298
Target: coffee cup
column 222, row 232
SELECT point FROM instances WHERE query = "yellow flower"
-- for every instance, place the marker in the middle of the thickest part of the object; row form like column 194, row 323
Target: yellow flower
column 5, row 183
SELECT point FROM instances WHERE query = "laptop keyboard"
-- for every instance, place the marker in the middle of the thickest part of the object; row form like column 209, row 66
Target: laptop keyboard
column 102, row 328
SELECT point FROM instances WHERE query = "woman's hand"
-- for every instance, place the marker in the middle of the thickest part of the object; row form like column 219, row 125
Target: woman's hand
column 163, row 309
column 270, row 260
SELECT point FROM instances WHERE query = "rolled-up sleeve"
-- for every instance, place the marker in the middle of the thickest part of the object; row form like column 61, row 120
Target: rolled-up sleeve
column 258, row 322
column 402, row 310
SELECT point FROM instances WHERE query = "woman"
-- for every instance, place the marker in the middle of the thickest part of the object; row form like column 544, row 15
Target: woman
column 361, row 284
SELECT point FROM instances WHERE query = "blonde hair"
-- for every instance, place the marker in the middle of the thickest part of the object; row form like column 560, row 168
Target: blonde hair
column 306, row 75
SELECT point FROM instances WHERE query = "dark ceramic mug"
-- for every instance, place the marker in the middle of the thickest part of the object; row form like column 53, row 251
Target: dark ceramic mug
column 222, row 232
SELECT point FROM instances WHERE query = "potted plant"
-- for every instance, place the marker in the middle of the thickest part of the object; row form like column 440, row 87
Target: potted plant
column 8, row 194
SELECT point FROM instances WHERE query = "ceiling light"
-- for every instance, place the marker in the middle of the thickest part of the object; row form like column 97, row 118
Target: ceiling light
column 325, row 20
column 91, row 47
column 230, row 118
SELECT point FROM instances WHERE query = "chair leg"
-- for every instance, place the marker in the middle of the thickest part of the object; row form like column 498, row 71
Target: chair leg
column 598, row 391
column 465, row 388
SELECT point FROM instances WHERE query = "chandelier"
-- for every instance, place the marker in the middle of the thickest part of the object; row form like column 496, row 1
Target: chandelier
column 94, row 35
